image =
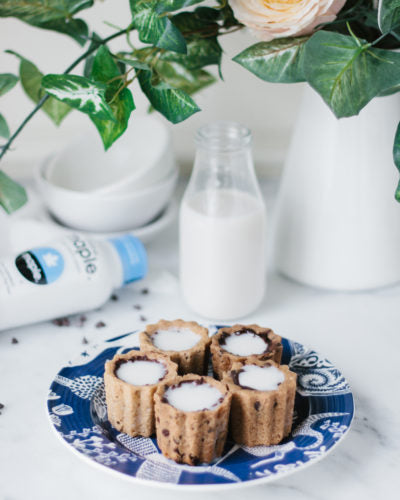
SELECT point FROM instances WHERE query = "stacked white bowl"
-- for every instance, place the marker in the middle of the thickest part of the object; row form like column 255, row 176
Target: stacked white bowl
column 122, row 189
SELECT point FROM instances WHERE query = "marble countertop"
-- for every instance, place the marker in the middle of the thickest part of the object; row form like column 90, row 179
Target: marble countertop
column 358, row 332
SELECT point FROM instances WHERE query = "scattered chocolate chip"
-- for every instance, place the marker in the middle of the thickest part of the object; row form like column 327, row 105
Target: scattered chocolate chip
column 82, row 320
column 85, row 340
column 275, row 404
column 137, row 307
column 257, row 405
column 100, row 324
column 114, row 297
column 14, row 340
column 61, row 321
column 145, row 291
column 1, row 406
column 143, row 318
column 165, row 432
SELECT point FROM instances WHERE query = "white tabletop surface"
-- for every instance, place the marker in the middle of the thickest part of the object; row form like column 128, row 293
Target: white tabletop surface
column 358, row 332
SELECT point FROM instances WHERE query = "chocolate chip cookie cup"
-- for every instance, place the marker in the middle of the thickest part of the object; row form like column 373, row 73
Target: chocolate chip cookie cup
column 186, row 343
column 263, row 394
column 240, row 342
column 192, row 418
column 131, row 380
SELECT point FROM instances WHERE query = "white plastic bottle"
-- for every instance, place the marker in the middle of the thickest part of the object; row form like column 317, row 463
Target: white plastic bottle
column 70, row 275
column 223, row 227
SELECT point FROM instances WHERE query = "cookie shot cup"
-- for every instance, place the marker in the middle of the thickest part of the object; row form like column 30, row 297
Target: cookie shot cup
column 263, row 395
column 131, row 380
column 186, row 343
column 192, row 418
column 240, row 342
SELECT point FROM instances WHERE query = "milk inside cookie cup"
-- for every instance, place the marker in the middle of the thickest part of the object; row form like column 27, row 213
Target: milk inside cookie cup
column 175, row 339
column 186, row 343
column 193, row 395
column 263, row 395
column 241, row 342
column 130, row 380
column 244, row 342
column 141, row 371
column 192, row 417
column 259, row 378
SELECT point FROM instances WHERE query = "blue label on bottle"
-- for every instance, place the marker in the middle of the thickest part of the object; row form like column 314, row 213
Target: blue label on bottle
column 41, row 265
column 132, row 255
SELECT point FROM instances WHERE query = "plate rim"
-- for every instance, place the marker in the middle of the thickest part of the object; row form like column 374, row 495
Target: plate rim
column 99, row 348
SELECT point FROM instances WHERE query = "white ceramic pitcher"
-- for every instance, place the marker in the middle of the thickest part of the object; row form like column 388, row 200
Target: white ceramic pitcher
column 337, row 222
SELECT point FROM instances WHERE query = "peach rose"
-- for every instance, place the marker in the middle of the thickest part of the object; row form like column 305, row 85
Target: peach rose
column 269, row 19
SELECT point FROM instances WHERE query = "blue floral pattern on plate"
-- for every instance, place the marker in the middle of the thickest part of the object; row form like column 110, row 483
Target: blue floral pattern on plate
column 324, row 411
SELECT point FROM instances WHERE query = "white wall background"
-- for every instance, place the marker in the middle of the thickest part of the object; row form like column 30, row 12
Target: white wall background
column 268, row 109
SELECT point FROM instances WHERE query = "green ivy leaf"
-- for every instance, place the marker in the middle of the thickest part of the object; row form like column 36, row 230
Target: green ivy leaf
column 79, row 93
column 75, row 28
column 12, row 195
column 180, row 77
column 176, row 105
column 31, row 80
column 87, row 70
column 278, row 61
column 388, row 15
column 348, row 72
column 171, row 5
column 396, row 158
column 200, row 52
column 7, row 82
column 106, row 71
column 53, row 15
column 156, row 29
column 4, row 130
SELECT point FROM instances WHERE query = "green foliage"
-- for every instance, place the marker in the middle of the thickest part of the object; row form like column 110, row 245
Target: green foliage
column 56, row 15
column 348, row 72
column 4, row 130
column 154, row 28
column 7, row 82
column 106, row 71
column 388, row 15
column 31, row 81
column 278, row 61
column 12, row 195
column 79, row 93
column 171, row 5
column 176, row 105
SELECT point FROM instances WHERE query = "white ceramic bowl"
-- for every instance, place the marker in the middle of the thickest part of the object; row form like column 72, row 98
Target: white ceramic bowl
column 138, row 159
column 92, row 211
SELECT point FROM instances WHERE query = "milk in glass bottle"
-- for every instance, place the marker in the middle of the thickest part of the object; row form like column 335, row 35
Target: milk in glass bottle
column 223, row 226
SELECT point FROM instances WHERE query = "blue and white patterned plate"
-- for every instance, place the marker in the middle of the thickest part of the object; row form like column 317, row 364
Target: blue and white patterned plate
column 323, row 413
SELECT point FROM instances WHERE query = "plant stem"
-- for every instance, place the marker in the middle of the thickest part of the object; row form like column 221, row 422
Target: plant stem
column 81, row 58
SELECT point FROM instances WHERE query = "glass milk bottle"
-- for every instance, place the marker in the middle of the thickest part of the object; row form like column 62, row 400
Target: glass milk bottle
column 223, row 226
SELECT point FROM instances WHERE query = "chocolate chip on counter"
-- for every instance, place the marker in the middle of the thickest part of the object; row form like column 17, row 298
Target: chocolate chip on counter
column 85, row 340
column 14, row 341
column 82, row 319
column 114, row 297
column 137, row 307
column 143, row 318
column 144, row 291
column 61, row 321
column 100, row 324
column 1, row 406
column 257, row 405
column 165, row 432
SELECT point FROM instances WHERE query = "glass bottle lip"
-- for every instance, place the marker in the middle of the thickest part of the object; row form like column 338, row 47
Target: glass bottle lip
column 223, row 136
